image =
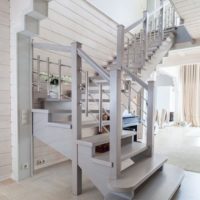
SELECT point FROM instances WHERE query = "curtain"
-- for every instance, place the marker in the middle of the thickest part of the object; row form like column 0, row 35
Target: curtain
column 190, row 84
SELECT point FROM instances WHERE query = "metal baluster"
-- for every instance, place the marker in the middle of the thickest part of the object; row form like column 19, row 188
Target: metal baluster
column 161, row 28
column 128, row 54
column 59, row 78
column 38, row 73
column 100, row 108
column 141, row 49
column 129, row 97
column 173, row 17
column 48, row 76
column 165, row 25
column 145, row 39
column 86, row 93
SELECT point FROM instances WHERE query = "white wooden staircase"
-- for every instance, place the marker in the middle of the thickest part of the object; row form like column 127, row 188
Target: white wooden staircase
column 148, row 176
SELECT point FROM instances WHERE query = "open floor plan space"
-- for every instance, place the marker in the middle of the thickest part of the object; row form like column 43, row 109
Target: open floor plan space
column 99, row 100
column 55, row 183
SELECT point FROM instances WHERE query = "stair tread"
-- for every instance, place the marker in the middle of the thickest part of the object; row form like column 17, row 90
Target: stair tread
column 127, row 151
column 134, row 176
column 166, row 183
column 69, row 111
column 162, row 185
column 85, row 124
column 97, row 140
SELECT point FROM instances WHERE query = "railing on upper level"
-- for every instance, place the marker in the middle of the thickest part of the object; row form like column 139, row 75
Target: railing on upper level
column 154, row 27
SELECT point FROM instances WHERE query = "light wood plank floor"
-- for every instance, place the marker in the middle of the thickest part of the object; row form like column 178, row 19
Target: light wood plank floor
column 55, row 184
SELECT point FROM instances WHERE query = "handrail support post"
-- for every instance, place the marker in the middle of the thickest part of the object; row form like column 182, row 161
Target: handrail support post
column 115, row 107
column 76, row 117
column 150, row 117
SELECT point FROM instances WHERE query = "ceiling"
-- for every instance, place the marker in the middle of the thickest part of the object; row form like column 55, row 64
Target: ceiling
column 123, row 12
column 189, row 10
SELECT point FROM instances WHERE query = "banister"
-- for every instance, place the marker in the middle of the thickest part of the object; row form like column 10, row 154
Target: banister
column 102, row 72
column 135, row 24
column 158, row 9
column 138, row 22
column 53, row 47
column 135, row 78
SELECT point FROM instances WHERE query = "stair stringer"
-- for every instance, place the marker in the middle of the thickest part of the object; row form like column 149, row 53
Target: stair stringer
column 98, row 173
column 151, row 65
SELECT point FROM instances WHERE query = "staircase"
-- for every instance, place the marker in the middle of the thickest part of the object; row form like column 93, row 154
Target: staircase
column 146, row 176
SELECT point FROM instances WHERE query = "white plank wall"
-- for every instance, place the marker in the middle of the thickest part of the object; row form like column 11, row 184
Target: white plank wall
column 5, row 117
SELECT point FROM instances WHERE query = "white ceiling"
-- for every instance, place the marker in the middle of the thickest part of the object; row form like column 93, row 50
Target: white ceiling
column 123, row 12
column 189, row 10
column 182, row 57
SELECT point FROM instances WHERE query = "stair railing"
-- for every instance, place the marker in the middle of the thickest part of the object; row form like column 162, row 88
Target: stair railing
column 154, row 27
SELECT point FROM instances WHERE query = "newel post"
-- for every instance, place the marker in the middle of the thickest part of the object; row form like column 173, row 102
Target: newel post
column 115, row 107
column 76, row 118
column 150, row 117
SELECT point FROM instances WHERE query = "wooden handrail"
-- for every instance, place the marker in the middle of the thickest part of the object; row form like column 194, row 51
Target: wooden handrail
column 138, row 22
column 53, row 47
column 102, row 72
column 135, row 78
column 135, row 24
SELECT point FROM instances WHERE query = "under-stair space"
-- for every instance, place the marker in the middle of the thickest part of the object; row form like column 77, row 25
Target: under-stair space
column 101, row 115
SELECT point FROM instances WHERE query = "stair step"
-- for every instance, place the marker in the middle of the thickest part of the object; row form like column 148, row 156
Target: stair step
column 97, row 100
column 134, row 176
column 166, row 183
column 62, row 111
column 85, row 124
column 162, row 186
column 97, row 140
column 127, row 151
column 96, row 91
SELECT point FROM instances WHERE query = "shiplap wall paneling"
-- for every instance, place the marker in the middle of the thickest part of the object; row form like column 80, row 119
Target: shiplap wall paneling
column 5, row 116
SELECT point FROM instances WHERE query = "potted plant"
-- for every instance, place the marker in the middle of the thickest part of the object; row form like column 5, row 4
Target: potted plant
column 54, row 87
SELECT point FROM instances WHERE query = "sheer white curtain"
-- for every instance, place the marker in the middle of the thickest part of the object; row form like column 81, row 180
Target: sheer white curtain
column 190, row 86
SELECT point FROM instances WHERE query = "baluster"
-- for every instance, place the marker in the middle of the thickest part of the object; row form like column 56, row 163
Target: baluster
column 128, row 53
column 173, row 17
column 134, row 49
column 165, row 26
column 86, row 93
column 129, row 96
column 100, row 108
column 38, row 73
column 48, row 76
column 60, row 78
column 161, row 24
column 145, row 39
column 141, row 48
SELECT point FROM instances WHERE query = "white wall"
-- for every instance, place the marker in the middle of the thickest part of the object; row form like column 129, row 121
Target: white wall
column 165, row 98
column 5, row 116
column 123, row 12
column 174, row 73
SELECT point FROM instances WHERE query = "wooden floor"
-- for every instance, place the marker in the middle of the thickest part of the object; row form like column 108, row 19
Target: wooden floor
column 55, row 184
